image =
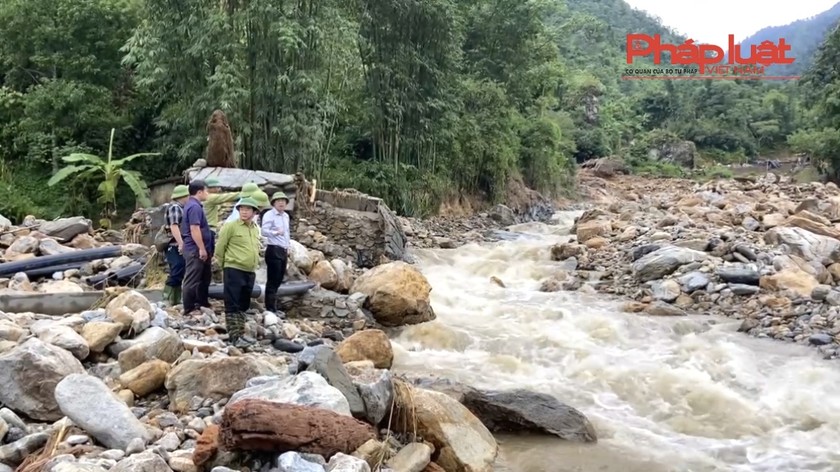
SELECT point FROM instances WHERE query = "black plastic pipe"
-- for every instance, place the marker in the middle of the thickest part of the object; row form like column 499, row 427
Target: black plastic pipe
column 84, row 255
column 46, row 271
column 98, row 280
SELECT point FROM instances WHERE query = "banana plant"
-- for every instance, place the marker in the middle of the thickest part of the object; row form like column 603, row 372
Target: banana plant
column 109, row 172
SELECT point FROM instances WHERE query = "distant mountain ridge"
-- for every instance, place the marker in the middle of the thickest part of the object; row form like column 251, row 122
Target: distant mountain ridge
column 804, row 37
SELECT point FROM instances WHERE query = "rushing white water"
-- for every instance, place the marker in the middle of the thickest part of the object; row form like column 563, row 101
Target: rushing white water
column 664, row 394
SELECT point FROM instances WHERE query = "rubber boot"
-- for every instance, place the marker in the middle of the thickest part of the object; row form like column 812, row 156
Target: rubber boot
column 176, row 296
column 167, row 294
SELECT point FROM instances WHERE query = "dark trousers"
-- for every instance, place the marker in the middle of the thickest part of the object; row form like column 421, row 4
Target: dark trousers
column 196, row 282
column 177, row 266
column 275, row 262
column 238, row 286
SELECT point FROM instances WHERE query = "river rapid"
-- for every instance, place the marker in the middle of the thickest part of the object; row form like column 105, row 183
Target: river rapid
column 664, row 394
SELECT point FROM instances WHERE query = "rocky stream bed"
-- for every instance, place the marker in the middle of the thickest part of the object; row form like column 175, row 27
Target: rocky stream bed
column 132, row 385
column 135, row 386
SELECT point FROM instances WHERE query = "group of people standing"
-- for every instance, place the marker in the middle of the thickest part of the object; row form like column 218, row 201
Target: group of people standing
column 198, row 237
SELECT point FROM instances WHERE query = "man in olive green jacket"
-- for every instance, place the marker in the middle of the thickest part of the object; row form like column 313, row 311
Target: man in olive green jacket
column 238, row 253
column 216, row 199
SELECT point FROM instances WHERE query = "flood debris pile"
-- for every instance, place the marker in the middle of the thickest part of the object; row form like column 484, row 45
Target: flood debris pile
column 133, row 387
column 65, row 255
column 763, row 250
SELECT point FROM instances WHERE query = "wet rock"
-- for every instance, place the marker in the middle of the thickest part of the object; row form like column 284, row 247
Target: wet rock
column 29, row 374
column 397, row 294
column 666, row 290
column 820, row 292
column 377, row 391
column 370, row 344
column 739, row 274
column 324, row 274
column 142, row 462
column 254, row 425
column 15, row 452
column 99, row 334
column 323, row 360
column 664, row 261
column 95, row 408
column 64, row 337
column 65, row 229
column 521, row 410
column 214, row 378
column 592, row 229
column 305, row 389
column 664, row 309
column 153, row 343
column 346, row 463
column 287, row 346
column 805, row 244
column 461, row 441
column 820, row 339
column 145, row 378
column 743, row 289
column 413, row 457
column 694, row 281
column 793, row 280
column 294, row 462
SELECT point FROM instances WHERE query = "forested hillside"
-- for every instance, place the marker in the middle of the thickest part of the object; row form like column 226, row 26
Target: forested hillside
column 820, row 133
column 412, row 100
column 804, row 36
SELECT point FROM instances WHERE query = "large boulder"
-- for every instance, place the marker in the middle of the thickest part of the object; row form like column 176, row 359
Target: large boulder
column 805, row 244
column 65, row 229
column 214, row 378
column 462, row 442
column 95, row 408
column 29, row 374
column 397, row 294
column 664, row 261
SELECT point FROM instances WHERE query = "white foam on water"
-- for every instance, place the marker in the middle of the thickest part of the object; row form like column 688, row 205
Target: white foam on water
column 664, row 394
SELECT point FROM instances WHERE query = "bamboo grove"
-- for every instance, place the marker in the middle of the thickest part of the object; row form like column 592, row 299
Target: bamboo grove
column 412, row 100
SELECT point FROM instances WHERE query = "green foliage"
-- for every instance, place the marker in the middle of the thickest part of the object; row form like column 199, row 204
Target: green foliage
column 713, row 172
column 804, row 37
column 658, row 169
column 109, row 172
column 411, row 100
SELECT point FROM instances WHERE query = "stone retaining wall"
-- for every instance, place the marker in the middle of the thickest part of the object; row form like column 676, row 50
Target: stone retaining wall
column 351, row 226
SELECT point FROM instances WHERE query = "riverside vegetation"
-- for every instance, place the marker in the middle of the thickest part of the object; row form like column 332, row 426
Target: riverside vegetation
column 414, row 101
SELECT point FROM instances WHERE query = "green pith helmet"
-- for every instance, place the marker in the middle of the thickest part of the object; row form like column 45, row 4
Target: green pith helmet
column 248, row 190
column 247, row 201
column 261, row 198
column 278, row 196
column 180, row 191
column 213, row 183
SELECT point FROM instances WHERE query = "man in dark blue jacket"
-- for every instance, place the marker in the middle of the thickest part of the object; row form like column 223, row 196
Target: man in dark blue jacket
column 198, row 249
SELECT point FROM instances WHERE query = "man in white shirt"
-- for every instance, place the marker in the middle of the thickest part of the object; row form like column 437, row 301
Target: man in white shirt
column 247, row 191
column 275, row 231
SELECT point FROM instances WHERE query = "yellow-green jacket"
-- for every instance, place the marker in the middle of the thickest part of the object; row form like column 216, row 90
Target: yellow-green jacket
column 238, row 246
column 211, row 207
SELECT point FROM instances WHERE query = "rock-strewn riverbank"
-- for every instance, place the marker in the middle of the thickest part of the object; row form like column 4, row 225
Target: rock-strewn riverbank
column 130, row 385
column 763, row 250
